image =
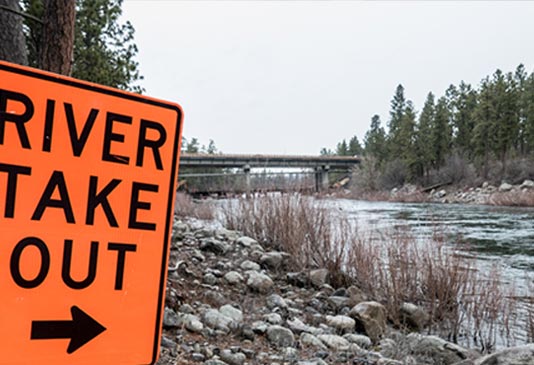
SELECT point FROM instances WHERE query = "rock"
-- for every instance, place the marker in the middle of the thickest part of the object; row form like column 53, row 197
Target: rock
column 371, row 318
column 527, row 184
column 273, row 318
column 356, row 295
column 196, row 356
column 233, row 278
column 297, row 326
column 246, row 241
column 231, row 312
column 339, row 302
column 249, row 265
column 273, row 260
column 232, row 358
column 259, row 327
column 441, row 351
column 319, row 277
column 360, row 340
column 413, row 317
column 312, row 362
column 209, row 279
column 299, row 279
column 215, row 362
column 213, row 245
column 520, row 355
column 259, row 282
column 440, row 194
column 192, row 323
column 309, row 340
column 170, row 318
column 290, row 354
column 216, row 320
column 389, row 348
column 167, row 342
column 341, row 324
column 274, row 301
column 280, row 336
column 505, row 187
column 334, row 342
column 186, row 308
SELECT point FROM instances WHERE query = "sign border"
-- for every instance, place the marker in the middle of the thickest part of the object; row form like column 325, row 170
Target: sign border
column 101, row 89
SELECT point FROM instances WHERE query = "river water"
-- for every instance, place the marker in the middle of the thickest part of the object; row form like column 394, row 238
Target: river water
column 496, row 234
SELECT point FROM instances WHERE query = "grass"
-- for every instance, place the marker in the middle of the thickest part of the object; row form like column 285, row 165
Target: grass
column 465, row 304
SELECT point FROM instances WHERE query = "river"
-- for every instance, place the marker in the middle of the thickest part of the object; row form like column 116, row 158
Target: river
column 490, row 233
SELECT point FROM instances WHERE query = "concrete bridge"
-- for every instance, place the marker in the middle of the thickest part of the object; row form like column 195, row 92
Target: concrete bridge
column 320, row 165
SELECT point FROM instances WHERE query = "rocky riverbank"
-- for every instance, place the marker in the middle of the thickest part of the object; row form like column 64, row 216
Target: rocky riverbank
column 504, row 194
column 231, row 301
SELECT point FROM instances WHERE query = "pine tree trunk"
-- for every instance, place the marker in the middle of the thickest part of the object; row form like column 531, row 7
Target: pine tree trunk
column 12, row 41
column 58, row 36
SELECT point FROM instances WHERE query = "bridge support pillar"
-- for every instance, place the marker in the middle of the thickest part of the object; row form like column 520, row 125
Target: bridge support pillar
column 246, row 170
column 321, row 178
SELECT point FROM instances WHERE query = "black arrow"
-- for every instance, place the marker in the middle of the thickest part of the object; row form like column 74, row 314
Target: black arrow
column 81, row 329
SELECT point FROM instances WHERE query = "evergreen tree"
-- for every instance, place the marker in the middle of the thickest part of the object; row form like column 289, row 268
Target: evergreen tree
column 104, row 48
column 12, row 47
column 406, row 139
column 528, row 115
column 193, row 146
column 463, row 119
column 440, row 134
column 342, row 149
column 398, row 107
column 483, row 136
column 375, row 140
column 326, row 152
column 423, row 140
column 505, row 121
column 354, row 147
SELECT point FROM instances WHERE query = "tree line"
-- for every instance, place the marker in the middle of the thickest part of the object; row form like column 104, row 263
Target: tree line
column 487, row 125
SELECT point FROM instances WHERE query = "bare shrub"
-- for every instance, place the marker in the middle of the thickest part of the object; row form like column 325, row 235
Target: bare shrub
column 512, row 198
column 463, row 304
column 391, row 267
column 457, row 170
column 395, row 174
column 366, row 177
column 296, row 224
column 185, row 206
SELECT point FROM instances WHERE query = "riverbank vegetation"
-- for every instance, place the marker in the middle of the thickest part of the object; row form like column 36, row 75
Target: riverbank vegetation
column 469, row 135
column 465, row 303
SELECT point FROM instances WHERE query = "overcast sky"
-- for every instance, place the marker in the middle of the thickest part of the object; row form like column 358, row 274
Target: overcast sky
column 291, row 77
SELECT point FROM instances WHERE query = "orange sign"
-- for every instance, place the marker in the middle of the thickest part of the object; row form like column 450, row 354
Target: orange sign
column 87, row 184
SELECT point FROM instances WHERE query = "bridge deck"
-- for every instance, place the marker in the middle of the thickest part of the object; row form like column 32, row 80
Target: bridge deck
column 233, row 161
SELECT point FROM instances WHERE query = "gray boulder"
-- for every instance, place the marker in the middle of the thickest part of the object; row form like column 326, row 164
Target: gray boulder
column 413, row 317
column 371, row 318
column 233, row 278
column 231, row 312
column 309, row 340
column 505, row 187
column 437, row 349
column 259, row 282
column 213, row 245
column 520, row 355
column 249, row 265
column 216, row 320
column 342, row 324
column 246, row 241
column 319, row 277
column 233, row 358
column 280, row 336
column 334, row 342
column 273, row 260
